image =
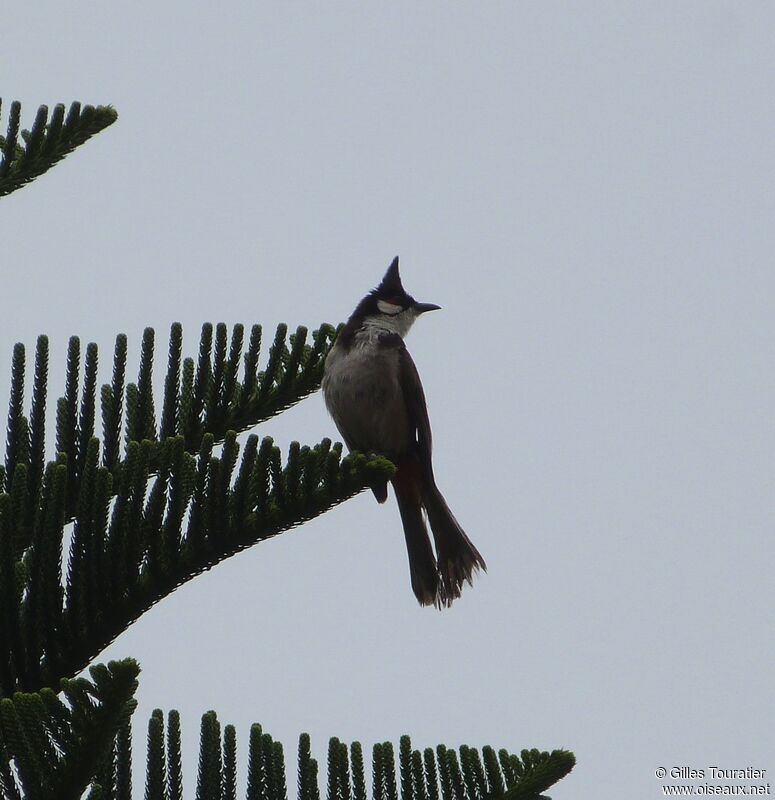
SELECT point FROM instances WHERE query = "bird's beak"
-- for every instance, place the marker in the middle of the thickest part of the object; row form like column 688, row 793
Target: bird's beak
column 421, row 308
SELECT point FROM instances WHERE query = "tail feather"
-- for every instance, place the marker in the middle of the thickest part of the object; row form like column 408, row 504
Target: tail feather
column 458, row 559
column 422, row 563
column 438, row 578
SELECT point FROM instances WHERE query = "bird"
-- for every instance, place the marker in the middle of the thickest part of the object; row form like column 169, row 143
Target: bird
column 373, row 392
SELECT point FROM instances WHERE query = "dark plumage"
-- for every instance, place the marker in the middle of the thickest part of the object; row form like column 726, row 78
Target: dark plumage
column 375, row 396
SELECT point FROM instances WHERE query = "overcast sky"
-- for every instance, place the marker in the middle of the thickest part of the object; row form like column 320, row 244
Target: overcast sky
column 587, row 191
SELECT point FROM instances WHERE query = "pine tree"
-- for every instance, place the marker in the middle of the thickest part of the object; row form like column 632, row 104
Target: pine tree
column 152, row 506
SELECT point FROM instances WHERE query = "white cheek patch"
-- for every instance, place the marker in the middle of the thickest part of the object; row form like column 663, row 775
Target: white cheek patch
column 388, row 308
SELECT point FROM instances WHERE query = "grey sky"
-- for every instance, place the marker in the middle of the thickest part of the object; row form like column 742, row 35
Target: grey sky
column 587, row 191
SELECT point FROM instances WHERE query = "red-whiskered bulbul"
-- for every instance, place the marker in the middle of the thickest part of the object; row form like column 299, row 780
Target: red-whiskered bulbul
column 374, row 394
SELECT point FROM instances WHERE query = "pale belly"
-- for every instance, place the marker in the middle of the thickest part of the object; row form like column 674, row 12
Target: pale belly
column 364, row 398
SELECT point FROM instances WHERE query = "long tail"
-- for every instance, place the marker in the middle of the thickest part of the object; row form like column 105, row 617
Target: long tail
column 436, row 579
column 458, row 559
column 422, row 563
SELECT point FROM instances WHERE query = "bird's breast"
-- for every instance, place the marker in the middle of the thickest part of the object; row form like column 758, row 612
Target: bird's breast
column 363, row 394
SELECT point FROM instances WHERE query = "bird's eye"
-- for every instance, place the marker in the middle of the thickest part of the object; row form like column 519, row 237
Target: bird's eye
column 389, row 308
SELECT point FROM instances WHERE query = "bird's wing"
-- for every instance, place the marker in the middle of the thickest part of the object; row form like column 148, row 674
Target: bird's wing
column 414, row 397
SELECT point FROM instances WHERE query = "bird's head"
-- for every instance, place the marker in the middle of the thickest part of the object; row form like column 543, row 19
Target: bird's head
column 389, row 307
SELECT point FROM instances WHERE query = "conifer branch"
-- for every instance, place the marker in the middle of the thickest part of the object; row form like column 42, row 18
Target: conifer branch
column 48, row 142
column 208, row 399
column 196, row 514
column 417, row 776
column 53, row 748
column 133, row 543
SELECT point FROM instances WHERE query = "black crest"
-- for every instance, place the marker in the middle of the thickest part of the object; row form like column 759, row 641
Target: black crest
column 391, row 285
